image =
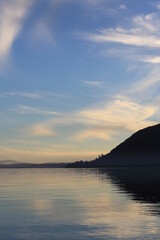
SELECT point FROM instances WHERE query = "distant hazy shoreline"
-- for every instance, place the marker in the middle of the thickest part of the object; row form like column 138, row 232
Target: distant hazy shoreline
column 34, row 165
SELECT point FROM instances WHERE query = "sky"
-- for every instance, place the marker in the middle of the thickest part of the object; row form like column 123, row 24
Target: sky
column 76, row 77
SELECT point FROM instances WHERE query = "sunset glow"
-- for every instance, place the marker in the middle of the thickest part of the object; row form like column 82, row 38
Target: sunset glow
column 77, row 77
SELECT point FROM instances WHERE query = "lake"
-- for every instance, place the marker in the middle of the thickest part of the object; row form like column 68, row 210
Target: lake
column 79, row 204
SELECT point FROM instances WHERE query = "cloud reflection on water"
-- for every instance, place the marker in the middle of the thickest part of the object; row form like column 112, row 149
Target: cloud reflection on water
column 77, row 204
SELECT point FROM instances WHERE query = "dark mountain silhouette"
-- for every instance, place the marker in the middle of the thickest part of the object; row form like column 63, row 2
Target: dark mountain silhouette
column 141, row 149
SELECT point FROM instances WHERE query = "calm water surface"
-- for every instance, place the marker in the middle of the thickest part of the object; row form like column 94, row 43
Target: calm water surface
column 79, row 204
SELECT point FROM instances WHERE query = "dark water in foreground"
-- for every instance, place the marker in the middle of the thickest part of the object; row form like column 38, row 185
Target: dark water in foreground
column 79, row 204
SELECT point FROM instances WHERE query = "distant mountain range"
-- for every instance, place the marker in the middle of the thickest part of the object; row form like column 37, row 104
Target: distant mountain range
column 6, row 162
column 16, row 164
column 141, row 149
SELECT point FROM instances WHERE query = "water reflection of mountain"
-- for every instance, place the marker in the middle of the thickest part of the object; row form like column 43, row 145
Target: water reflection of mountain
column 141, row 184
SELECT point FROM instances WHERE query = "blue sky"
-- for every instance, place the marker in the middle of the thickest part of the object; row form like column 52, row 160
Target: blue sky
column 76, row 77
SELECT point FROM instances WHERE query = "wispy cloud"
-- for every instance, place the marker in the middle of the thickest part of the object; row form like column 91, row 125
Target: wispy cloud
column 23, row 109
column 22, row 142
column 96, row 84
column 94, row 2
column 105, row 120
column 133, row 108
column 124, row 112
column 119, row 112
column 13, row 14
column 94, row 133
column 138, row 42
column 149, row 59
column 40, row 130
column 131, row 54
column 144, row 33
column 42, row 32
column 149, row 82
column 33, row 95
column 156, row 4
column 123, row 7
